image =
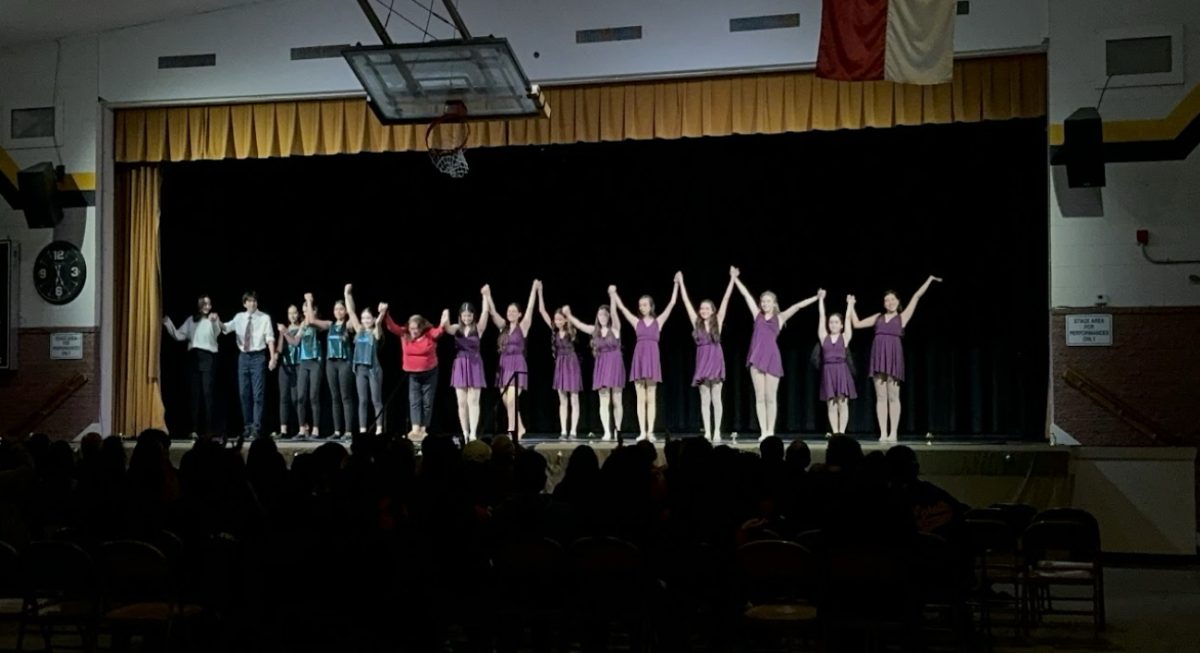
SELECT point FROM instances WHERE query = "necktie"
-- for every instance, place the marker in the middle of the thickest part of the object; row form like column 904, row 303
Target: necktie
column 246, row 339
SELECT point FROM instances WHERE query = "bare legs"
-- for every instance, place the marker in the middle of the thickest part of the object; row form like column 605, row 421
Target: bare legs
column 647, row 407
column 887, row 405
column 710, row 395
column 468, row 411
column 568, row 408
column 510, row 404
column 610, row 398
column 766, row 387
column 839, row 414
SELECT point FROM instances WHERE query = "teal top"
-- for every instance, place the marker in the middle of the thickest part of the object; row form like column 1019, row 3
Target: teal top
column 336, row 343
column 365, row 350
column 290, row 354
column 310, row 347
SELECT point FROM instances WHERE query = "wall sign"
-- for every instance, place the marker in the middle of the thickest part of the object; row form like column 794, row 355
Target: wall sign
column 67, row 346
column 1093, row 330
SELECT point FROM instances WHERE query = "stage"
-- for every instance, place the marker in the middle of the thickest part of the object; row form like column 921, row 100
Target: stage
column 977, row 472
column 1144, row 496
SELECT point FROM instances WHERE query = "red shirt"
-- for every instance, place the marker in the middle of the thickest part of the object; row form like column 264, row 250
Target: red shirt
column 418, row 355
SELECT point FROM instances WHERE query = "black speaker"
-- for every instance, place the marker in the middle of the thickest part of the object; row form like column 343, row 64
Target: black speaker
column 37, row 186
column 1083, row 145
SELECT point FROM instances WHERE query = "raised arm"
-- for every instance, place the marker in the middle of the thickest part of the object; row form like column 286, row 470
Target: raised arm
column 724, row 307
column 351, row 313
column 485, row 300
column 822, row 331
column 662, row 317
column 527, row 318
column 794, row 308
column 736, row 275
column 852, row 317
column 310, row 313
column 847, row 330
column 542, row 308
column 398, row 330
column 687, row 301
column 908, row 311
column 579, row 324
column 615, row 300
column 491, row 310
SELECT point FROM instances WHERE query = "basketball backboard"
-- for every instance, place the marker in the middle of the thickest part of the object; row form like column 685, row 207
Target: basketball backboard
column 413, row 82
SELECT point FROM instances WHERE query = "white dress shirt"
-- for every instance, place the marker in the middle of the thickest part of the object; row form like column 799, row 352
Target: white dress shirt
column 261, row 330
column 199, row 334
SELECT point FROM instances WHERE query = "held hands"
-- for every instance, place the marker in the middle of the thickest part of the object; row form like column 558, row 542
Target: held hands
column 281, row 328
column 445, row 316
column 486, row 290
column 308, row 297
column 678, row 277
column 734, row 272
column 382, row 308
column 821, row 294
column 272, row 365
column 612, row 290
column 850, row 300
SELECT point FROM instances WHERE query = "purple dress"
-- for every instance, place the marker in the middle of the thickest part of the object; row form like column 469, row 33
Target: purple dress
column 646, row 366
column 764, row 350
column 467, row 369
column 887, row 350
column 567, row 375
column 512, row 361
column 836, row 380
column 710, row 359
column 609, row 371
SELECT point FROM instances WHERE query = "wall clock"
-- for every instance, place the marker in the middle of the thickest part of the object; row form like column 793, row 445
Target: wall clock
column 59, row 272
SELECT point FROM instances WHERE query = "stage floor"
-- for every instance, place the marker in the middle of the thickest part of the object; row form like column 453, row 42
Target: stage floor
column 978, row 472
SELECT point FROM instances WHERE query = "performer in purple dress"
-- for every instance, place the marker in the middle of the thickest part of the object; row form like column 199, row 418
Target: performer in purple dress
column 568, row 378
column 511, row 373
column 608, row 373
column 887, row 354
column 764, row 361
column 646, row 369
column 837, row 383
column 710, row 357
column 466, row 373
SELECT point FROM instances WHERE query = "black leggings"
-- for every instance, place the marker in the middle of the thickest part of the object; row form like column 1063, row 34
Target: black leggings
column 308, row 390
column 341, row 390
column 288, row 400
column 370, row 391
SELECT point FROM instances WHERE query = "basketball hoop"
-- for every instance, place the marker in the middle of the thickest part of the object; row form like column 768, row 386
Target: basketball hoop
column 446, row 138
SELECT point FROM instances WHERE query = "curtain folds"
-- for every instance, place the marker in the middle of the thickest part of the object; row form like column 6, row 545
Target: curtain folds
column 994, row 88
column 137, row 399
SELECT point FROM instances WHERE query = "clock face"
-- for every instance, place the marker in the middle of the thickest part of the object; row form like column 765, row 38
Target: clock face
column 59, row 272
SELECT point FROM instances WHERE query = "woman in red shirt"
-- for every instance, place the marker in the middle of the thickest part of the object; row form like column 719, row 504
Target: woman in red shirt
column 418, row 355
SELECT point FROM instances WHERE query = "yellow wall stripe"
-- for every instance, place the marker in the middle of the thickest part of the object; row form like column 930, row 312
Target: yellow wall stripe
column 1167, row 128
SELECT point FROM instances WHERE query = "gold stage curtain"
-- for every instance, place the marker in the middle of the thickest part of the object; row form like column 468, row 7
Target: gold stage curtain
column 992, row 88
column 137, row 398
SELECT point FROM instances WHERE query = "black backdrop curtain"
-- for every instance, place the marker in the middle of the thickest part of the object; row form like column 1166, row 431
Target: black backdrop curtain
column 851, row 211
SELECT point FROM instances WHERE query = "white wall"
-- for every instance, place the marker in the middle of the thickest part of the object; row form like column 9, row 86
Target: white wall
column 34, row 85
column 1144, row 497
column 1098, row 255
column 252, row 43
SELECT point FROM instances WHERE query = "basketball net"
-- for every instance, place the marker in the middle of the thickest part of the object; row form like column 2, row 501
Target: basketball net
column 446, row 139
